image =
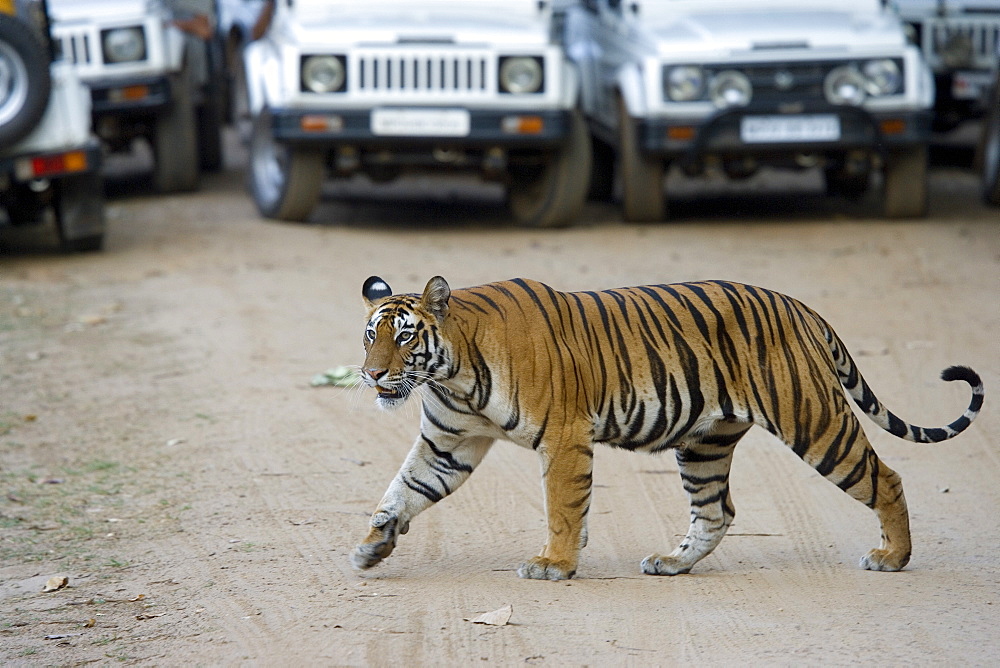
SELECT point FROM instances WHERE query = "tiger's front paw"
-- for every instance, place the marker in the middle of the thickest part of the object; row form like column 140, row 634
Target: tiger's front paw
column 884, row 560
column 540, row 568
column 379, row 543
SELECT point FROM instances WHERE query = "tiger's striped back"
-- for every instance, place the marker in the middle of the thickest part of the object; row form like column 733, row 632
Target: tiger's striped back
column 650, row 364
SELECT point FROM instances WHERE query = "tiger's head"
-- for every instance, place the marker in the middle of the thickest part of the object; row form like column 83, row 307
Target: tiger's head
column 403, row 342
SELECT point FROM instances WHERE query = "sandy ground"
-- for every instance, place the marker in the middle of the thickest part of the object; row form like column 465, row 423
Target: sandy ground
column 161, row 445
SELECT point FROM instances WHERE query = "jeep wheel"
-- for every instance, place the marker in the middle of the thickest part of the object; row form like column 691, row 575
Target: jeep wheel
column 989, row 150
column 175, row 142
column 25, row 81
column 553, row 193
column 79, row 207
column 285, row 180
column 643, row 197
column 904, row 187
column 602, row 172
column 211, row 114
column 211, row 118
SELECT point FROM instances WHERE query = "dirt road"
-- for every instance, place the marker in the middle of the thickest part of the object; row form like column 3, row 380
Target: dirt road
column 162, row 447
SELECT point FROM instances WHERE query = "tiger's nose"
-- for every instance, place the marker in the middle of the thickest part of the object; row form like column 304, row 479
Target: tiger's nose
column 375, row 374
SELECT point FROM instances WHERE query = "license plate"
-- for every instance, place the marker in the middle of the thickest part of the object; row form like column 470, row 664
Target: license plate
column 804, row 128
column 970, row 85
column 420, row 122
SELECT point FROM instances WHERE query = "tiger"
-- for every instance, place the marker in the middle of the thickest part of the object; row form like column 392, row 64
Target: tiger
column 688, row 367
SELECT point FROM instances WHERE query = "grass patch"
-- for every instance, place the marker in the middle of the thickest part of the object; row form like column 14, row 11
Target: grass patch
column 63, row 516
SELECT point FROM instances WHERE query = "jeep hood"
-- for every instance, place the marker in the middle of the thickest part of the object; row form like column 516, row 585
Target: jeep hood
column 917, row 10
column 434, row 21
column 751, row 30
column 97, row 10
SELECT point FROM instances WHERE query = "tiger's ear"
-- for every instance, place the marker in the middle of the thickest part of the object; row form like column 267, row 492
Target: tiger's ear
column 375, row 289
column 436, row 296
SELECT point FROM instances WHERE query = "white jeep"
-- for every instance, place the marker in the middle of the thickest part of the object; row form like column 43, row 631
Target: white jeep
column 738, row 84
column 149, row 78
column 49, row 160
column 960, row 41
column 388, row 87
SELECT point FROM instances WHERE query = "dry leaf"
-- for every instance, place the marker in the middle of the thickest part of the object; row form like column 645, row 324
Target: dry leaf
column 92, row 319
column 498, row 617
column 55, row 583
column 340, row 376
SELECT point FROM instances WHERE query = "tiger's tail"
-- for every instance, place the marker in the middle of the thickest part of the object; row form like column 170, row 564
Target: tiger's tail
column 855, row 384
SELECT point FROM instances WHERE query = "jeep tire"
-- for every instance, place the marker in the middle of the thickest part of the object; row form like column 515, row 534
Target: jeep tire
column 175, row 141
column 602, row 172
column 211, row 117
column 25, row 81
column 79, row 209
column 904, row 185
column 553, row 194
column 643, row 196
column 211, row 114
column 285, row 180
column 988, row 151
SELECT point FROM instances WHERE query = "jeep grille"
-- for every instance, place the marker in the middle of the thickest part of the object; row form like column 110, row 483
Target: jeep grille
column 981, row 36
column 418, row 73
column 77, row 49
column 804, row 80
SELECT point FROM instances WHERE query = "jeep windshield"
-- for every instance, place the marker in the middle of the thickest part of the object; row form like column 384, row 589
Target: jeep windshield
column 331, row 9
column 672, row 8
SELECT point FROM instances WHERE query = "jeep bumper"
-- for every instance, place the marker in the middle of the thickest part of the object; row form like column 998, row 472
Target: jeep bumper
column 50, row 164
column 393, row 127
column 129, row 96
column 750, row 131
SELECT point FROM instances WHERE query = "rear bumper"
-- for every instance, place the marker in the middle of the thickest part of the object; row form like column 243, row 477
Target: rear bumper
column 27, row 167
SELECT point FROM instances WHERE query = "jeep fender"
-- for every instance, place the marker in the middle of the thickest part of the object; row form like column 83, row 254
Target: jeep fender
column 569, row 95
column 263, row 76
column 174, row 48
column 925, row 84
column 629, row 84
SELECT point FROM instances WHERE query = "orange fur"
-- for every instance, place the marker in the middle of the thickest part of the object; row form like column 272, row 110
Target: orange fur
column 689, row 367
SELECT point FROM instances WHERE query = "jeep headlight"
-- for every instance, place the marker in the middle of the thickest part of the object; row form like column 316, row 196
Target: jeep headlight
column 123, row 45
column 884, row 77
column 845, row 85
column 683, row 83
column 521, row 74
column 730, row 88
column 324, row 74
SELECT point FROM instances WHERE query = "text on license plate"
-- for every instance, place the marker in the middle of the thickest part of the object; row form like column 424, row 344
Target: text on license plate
column 808, row 127
column 421, row 122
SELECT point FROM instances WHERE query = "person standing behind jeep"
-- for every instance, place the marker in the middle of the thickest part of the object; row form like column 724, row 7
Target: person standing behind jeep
column 196, row 18
column 199, row 19
column 264, row 20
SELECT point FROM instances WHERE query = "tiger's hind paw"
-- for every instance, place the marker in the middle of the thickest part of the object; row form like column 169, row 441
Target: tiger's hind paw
column 656, row 564
column 884, row 560
column 540, row 568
